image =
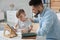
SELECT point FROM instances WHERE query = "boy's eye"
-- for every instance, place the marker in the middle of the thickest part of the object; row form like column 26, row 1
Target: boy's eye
column 20, row 16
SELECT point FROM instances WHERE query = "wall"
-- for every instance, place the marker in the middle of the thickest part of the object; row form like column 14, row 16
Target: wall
column 4, row 5
column 1, row 15
column 55, row 4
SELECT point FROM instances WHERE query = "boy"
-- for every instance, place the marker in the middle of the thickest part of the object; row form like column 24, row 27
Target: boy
column 24, row 24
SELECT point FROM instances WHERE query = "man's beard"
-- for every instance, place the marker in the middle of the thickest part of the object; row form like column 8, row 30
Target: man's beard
column 37, row 14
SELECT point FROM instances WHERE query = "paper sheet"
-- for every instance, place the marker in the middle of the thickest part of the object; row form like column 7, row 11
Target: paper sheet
column 11, row 16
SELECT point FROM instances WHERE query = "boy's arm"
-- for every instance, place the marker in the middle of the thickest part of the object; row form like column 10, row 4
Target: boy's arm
column 15, row 26
column 27, row 31
column 30, row 28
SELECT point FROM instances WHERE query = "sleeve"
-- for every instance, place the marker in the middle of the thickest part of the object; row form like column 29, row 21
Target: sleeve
column 46, row 24
column 15, row 25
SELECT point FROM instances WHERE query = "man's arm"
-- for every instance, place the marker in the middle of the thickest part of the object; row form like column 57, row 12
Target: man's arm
column 36, row 20
column 46, row 24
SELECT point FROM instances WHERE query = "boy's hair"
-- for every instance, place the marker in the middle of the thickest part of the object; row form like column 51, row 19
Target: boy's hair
column 20, row 12
column 35, row 2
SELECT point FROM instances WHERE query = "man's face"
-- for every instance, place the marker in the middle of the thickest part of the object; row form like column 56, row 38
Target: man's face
column 36, row 9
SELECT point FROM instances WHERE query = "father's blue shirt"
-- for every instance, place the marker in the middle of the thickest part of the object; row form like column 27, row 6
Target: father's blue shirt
column 49, row 24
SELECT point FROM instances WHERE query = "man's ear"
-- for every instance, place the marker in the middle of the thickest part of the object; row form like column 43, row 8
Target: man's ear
column 40, row 6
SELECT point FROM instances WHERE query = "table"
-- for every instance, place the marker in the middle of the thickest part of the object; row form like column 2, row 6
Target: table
column 19, row 37
column 35, row 26
column 15, row 38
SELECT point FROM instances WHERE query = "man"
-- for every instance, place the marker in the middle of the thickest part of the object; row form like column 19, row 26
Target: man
column 49, row 24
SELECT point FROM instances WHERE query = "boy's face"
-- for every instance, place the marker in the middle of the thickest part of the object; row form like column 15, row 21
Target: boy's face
column 22, row 17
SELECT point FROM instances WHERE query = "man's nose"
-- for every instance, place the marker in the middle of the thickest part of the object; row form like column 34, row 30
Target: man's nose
column 33, row 11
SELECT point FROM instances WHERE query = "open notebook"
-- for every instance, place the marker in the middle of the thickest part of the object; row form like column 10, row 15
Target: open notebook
column 11, row 34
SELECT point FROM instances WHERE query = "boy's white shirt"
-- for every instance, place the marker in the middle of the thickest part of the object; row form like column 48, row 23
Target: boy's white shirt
column 26, row 24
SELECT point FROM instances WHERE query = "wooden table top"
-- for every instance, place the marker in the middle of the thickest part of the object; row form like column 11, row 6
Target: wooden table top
column 35, row 27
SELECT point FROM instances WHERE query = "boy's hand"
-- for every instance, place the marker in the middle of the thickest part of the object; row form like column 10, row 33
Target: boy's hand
column 30, row 28
column 24, row 31
column 15, row 30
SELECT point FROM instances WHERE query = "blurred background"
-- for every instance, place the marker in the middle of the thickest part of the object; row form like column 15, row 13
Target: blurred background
column 8, row 9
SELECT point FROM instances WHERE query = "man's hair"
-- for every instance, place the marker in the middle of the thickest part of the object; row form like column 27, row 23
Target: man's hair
column 35, row 2
column 20, row 11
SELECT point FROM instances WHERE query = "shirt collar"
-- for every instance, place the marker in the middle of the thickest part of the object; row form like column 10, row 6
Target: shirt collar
column 43, row 12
